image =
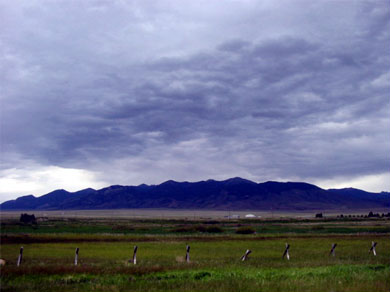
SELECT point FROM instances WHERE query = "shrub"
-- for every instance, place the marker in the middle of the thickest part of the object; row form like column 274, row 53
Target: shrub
column 245, row 230
column 317, row 227
column 28, row 219
column 184, row 229
column 199, row 228
column 214, row 229
column 212, row 222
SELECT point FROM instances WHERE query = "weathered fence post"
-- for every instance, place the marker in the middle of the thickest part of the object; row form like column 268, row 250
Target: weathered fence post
column 286, row 254
column 373, row 245
column 188, row 254
column 20, row 258
column 245, row 256
column 76, row 257
column 332, row 251
column 135, row 255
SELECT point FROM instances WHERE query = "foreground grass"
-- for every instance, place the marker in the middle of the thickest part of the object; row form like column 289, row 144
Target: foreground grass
column 333, row 278
column 215, row 266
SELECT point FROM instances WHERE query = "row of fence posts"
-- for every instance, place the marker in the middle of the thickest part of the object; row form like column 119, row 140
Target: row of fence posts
column 286, row 253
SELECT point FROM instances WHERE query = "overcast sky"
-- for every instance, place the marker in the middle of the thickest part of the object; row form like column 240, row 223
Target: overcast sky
column 95, row 93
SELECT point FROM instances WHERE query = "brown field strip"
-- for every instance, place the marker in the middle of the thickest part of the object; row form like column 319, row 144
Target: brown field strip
column 26, row 239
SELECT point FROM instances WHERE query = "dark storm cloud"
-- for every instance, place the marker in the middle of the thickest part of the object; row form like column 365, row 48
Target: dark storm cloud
column 308, row 103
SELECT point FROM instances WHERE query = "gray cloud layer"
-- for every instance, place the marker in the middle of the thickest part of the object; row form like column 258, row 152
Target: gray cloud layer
column 140, row 91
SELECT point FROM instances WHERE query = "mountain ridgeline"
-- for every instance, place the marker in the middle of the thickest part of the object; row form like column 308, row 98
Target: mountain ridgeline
column 231, row 194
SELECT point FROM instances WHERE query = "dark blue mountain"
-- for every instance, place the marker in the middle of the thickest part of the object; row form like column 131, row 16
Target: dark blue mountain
column 233, row 194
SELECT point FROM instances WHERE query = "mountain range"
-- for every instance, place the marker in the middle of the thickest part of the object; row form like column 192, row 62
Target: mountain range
column 232, row 194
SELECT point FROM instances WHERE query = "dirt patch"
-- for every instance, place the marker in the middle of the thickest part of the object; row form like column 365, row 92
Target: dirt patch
column 26, row 239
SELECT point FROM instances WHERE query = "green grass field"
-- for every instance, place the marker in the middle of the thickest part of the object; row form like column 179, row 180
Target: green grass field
column 107, row 244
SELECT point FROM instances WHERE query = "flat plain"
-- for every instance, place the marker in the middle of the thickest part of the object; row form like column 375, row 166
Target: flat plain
column 106, row 244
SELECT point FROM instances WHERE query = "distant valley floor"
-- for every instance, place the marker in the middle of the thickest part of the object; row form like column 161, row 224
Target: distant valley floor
column 189, row 214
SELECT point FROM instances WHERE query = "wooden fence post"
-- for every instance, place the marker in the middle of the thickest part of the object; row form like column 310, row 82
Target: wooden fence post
column 188, row 254
column 135, row 255
column 76, row 257
column 20, row 258
column 332, row 251
column 245, row 256
column 373, row 245
column 286, row 254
